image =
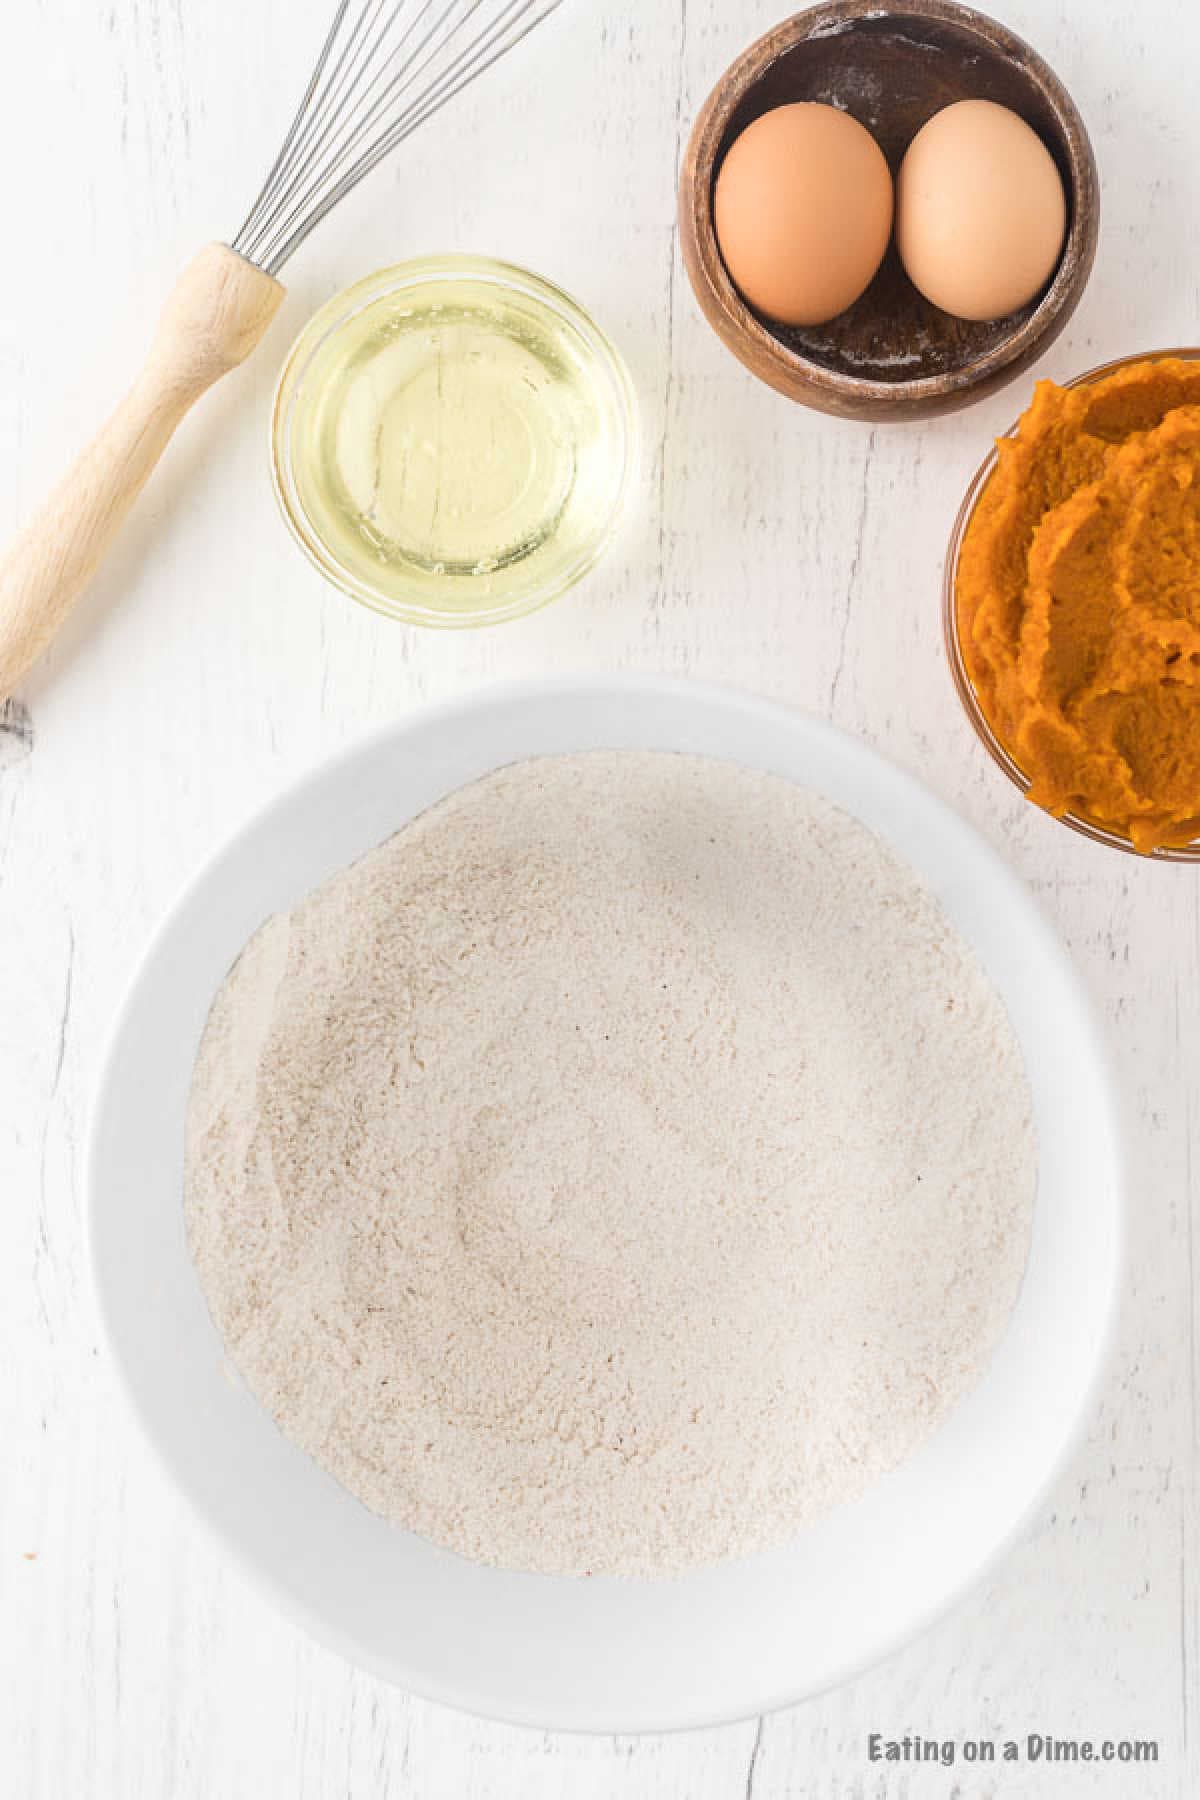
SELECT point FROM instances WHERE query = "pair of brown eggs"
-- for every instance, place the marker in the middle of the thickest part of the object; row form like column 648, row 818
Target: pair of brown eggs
column 804, row 208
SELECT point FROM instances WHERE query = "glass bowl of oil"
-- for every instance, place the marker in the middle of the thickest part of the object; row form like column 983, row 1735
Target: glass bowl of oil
column 453, row 441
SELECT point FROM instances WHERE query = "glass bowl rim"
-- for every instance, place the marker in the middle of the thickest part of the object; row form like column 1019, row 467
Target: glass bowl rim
column 1099, row 834
column 334, row 316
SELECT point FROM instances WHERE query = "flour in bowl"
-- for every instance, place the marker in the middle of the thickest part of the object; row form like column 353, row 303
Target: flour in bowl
column 617, row 1168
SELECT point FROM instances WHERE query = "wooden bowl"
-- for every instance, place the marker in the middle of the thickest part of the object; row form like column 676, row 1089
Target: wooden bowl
column 893, row 354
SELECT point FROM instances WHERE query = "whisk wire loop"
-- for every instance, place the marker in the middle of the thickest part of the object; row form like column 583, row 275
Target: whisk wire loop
column 386, row 67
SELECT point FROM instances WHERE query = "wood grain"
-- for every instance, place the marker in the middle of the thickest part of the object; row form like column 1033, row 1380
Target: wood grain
column 216, row 314
column 774, row 549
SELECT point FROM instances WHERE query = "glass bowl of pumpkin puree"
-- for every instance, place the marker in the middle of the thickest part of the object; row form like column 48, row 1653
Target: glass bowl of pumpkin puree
column 1071, row 603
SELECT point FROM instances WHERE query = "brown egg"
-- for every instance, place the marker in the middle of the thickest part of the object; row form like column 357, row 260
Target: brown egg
column 980, row 211
column 803, row 212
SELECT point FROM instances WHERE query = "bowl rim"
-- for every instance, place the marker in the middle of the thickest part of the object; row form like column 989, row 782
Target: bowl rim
column 964, row 687
column 594, row 1679
column 740, row 327
column 333, row 317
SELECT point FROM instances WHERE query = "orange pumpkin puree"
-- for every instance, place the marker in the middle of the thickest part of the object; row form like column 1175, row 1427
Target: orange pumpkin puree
column 1078, row 600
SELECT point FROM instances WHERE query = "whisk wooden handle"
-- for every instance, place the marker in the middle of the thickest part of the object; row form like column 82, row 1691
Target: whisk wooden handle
column 219, row 309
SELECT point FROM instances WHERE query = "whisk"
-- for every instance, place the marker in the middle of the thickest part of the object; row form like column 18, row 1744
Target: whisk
column 386, row 67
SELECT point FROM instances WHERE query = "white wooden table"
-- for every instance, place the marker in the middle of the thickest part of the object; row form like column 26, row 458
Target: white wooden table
column 794, row 555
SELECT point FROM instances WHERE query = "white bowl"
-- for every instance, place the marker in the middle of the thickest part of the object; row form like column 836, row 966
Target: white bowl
column 603, row 1654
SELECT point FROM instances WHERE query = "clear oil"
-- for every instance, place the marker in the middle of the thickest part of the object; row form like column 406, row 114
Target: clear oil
column 459, row 445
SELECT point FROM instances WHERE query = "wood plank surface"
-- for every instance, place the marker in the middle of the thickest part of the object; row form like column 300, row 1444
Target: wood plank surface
column 791, row 554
